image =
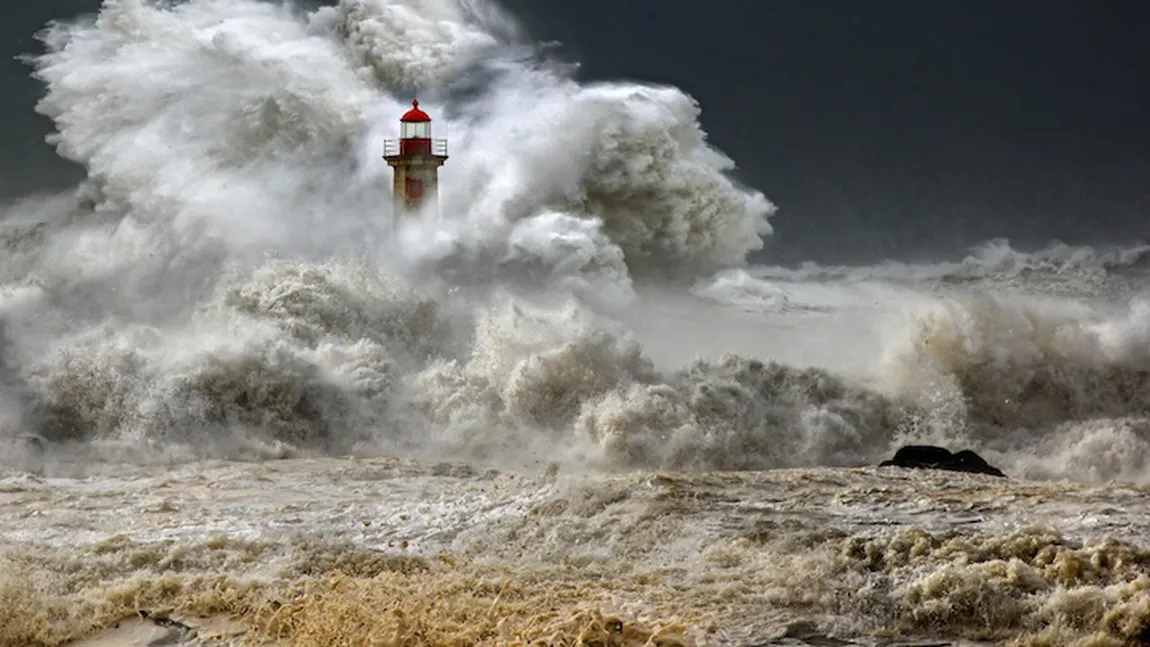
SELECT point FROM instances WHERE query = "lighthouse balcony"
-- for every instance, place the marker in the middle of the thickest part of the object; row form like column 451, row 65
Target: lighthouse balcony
column 412, row 147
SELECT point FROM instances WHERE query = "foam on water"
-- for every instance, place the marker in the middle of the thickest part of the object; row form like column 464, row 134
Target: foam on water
column 356, row 550
column 227, row 283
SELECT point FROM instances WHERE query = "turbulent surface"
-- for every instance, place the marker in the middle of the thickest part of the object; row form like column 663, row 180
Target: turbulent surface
column 229, row 385
column 313, row 549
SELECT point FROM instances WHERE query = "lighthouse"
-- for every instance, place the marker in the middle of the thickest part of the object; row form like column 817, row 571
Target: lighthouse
column 415, row 159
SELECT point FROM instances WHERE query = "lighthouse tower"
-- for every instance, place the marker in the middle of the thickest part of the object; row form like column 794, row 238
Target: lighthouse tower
column 415, row 158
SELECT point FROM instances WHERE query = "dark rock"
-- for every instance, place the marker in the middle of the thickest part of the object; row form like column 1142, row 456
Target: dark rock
column 938, row 458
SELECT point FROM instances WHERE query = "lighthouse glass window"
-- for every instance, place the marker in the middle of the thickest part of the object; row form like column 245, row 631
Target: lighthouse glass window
column 416, row 130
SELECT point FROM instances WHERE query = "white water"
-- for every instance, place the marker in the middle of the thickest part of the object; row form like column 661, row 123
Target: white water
column 227, row 284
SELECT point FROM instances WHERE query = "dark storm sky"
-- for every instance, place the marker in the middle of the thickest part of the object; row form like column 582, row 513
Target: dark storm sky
column 880, row 128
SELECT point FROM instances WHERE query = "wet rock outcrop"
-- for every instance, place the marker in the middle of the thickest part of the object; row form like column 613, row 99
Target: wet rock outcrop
column 940, row 458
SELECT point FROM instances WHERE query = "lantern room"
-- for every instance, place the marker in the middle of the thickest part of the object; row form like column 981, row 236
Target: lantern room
column 415, row 131
column 416, row 124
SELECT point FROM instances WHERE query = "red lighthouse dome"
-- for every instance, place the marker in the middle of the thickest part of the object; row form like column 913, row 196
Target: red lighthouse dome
column 415, row 130
column 415, row 114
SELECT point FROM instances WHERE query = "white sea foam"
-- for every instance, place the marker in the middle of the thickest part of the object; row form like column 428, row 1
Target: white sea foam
column 228, row 280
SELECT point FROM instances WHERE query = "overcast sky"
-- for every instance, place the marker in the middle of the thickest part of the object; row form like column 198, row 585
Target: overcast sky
column 879, row 127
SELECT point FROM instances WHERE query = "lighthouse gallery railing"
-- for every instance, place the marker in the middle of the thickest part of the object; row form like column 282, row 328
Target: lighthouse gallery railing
column 394, row 147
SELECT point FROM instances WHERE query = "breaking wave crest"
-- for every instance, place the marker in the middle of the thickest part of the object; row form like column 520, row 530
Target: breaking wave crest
column 227, row 281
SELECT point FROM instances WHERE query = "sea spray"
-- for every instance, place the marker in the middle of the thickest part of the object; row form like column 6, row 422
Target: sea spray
column 228, row 281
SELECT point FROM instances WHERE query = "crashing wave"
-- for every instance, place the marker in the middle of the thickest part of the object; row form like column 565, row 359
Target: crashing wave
column 227, row 279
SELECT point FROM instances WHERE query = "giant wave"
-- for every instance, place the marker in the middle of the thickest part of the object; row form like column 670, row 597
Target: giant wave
column 227, row 281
